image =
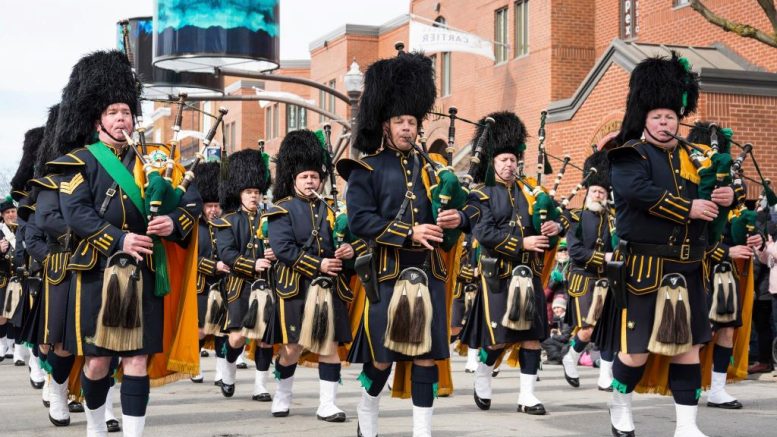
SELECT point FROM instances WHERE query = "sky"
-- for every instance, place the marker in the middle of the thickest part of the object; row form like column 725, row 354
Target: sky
column 41, row 40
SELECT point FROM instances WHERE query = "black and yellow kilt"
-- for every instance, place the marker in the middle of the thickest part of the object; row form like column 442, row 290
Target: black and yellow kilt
column 634, row 323
column 484, row 327
column 368, row 344
column 457, row 311
column 581, row 297
column 290, row 312
column 84, row 301
column 54, row 300
column 29, row 308
column 202, row 296
column 238, row 294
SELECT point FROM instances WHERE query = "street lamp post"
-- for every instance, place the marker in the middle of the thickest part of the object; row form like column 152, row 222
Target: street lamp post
column 354, row 82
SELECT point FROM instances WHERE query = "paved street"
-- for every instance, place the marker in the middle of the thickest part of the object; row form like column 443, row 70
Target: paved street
column 195, row 410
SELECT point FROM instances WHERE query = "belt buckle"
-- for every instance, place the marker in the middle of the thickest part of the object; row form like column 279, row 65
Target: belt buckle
column 110, row 192
column 511, row 223
column 685, row 252
column 525, row 258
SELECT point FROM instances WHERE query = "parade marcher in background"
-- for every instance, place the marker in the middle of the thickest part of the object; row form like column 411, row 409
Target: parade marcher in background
column 7, row 247
column 558, row 283
column 210, row 269
column 662, row 311
column 119, row 295
column 725, row 259
column 28, row 267
column 389, row 206
column 590, row 247
column 511, row 308
column 464, row 294
column 241, row 248
column 313, row 291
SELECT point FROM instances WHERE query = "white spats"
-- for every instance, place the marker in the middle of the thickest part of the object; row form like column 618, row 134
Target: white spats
column 686, row 421
column 422, row 421
column 367, row 411
column 620, row 411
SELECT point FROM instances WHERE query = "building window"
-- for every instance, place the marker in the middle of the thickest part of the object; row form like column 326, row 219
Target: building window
column 521, row 28
column 445, row 59
column 331, row 106
column 500, row 35
column 233, row 135
column 268, row 122
column 275, row 121
column 229, row 137
column 296, row 118
column 322, row 105
column 679, row 3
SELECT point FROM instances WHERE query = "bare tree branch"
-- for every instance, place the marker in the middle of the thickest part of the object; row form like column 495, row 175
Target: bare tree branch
column 771, row 12
column 743, row 30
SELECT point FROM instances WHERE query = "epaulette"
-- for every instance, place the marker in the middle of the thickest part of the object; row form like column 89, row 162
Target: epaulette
column 480, row 194
column 220, row 222
column 72, row 159
column 277, row 209
column 632, row 146
column 345, row 166
column 46, row 182
column 575, row 214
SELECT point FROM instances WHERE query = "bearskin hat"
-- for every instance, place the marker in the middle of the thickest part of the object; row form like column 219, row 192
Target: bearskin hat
column 658, row 83
column 507, row 135
column 701, row 133
column 97, row 81
column 48, row 147
column 244, row 169
column 206, row 176
column 601, row 178
column 301, row 150
column 19, row 183
column 403, row 85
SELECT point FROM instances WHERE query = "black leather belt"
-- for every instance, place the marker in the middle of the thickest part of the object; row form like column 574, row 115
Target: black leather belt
column 682, row 252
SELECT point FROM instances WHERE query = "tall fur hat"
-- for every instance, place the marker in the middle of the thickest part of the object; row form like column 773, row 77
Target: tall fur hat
column 206, row 176
column 19, row 185
column 301, row 150
column 48, row 147
column 601, row 178
column 658, row 83
column 507, row 135
column 403, row 85
column 701, row 133
column 97, row 81
column 244, row 169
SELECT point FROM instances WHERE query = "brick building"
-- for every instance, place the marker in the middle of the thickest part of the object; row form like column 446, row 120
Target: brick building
column 571, row 58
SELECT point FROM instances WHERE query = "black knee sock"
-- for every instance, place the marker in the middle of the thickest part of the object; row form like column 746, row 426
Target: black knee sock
column 3, row 330
column 263, row 358
column 60, row 367
column 625, row 378
column 685, row 382
column 721, row 357
column 607, row 355
column 95, row 391
column 329, row 372
column 424, row 385
column 202, row 343
column 34, row 351
column 220, row 344
column 284, row 372
column 577, row 344
column 373, row 380
column 233, row 353
column 134, row 395
column 488, row 356
column 529, row 360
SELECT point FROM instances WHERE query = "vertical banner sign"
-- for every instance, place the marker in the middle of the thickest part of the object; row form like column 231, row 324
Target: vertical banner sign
column 629, row 15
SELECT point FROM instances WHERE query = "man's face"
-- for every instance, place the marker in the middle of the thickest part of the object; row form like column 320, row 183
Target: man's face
column 562, row 255
column 211, row 210
column 116, row 119
column 402, row 131
column 658, row 122
column 307, row 181
column 9, row 216
column 250, row 198
column 505, row 165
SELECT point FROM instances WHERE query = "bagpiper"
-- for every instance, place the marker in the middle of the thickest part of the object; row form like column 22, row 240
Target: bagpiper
column 7, row 246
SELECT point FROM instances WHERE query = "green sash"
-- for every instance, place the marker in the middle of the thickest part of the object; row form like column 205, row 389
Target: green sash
column 116, row 170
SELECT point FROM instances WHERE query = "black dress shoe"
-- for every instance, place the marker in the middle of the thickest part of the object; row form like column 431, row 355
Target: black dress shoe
column 8, row 355
column 732, row 405
column 19, row 363
column 468, row 371
column 198, row 379
column 483, row 404
column 227, row 390
column 113, row 425
column 494, row 373
column 618, row 433
column 608, row 389
column 75, row 407
column 56, row 422
column 217, row 383
column 574, row 382
column 46, row 403
column 36, row 385
column 242, row 366
column 262, row 397
column 536, row 410
column 204, row 353
column 280, row 413
column 337, row 417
